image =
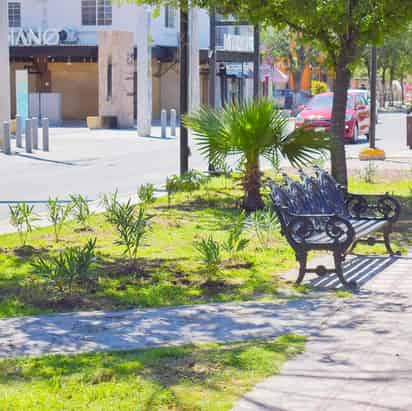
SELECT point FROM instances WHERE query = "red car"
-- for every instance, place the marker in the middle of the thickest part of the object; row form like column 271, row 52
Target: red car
column 317, row 114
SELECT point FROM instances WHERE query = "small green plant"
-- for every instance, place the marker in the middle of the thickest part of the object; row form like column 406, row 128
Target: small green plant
column 210, row 254
column 264, row 223
column 70, row 266
column 187, row 183
column 81, row 210
column 235, row 243
column 22, row 217
column 111, row 204
column 368, row 174
column 57, row 214
column 132, row 226
column 146, row 194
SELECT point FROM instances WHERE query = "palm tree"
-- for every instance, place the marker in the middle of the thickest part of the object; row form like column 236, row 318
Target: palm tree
column 251, row 131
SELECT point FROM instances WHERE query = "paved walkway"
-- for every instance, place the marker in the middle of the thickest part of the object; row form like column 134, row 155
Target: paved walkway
column 359, row 354
column 360, row 360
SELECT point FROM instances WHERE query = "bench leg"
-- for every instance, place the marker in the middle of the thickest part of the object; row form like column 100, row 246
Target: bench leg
column 303, row 260
column 386, row 238
column 338, row 258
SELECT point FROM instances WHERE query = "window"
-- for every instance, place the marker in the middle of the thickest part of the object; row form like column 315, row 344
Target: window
column 170, row 17
column 96, row 13
column 14, row 14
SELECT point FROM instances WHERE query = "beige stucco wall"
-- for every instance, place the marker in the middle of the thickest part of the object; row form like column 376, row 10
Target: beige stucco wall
column 117, row 47
column 78, row 84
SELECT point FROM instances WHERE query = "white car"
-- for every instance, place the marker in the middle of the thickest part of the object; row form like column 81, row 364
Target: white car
column 367, row 97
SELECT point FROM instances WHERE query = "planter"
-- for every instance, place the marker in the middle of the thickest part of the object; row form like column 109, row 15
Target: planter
column 370, row 154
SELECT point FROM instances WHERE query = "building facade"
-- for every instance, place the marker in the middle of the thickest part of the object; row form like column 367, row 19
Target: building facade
column 60, row 43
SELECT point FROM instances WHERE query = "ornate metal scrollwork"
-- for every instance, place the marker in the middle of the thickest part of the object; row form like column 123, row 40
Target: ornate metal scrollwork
column 300, row 229
column 340, row 230
column 389, row 208
column 357, row 206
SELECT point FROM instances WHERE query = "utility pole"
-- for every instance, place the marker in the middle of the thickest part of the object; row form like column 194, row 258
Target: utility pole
column 372, row 127
column 256, row 62
column 184, row 87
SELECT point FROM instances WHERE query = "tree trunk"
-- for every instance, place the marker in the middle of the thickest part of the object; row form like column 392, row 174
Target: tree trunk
column 383, row 86
column 340, row 97
column 403, row 88
column 391, row 80
column 252, row 183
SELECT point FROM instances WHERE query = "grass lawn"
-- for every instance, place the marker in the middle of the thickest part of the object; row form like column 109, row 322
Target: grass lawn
column 168, row 270
column 202, row 377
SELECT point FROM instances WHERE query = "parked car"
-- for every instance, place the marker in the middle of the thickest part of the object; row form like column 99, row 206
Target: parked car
column 317, row 115
column 366, row 95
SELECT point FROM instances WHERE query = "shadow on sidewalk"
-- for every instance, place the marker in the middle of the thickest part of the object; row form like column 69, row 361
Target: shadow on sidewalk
column 360, row 268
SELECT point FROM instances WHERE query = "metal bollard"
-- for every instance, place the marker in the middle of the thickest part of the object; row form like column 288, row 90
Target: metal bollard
column 6, row 138
column 173, row 122
column 28, row 141
column 19, row 132
column 35, row 133
column 45, row 126
column 163, row 122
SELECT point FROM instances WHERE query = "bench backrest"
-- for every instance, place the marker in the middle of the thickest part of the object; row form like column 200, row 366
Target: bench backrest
column 312, row 195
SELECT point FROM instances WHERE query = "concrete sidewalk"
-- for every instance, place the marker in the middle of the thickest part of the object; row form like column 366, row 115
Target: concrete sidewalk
column 361, row 360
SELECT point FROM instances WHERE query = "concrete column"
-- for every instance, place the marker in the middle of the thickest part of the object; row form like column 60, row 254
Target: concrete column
column 19, row 132
column 144, row 73
column 45, row 134
column 173, row 120
column 28, row 142
column 35, row 133
column 6, row 138
column 194, row 66
column 4, row 65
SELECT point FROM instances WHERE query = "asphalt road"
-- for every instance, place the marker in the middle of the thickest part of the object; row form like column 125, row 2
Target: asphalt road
column 96, row 162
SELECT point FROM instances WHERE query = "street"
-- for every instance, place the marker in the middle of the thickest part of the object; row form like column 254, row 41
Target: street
column 95, row 162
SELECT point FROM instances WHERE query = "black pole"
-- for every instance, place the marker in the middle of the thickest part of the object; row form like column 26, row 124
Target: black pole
column 212, row 69
column 372, row 128
column 184, row 88
column 256, row 62
column 212, row 60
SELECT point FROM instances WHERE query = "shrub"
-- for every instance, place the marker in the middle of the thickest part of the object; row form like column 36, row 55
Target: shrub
column 58, row 214
column 368, row 174
column 146, row 194
column 22, row 217
column 319, row 87
column 186, row 183
column 131, row 225
column 235, row 243
column 81, row 210
column 264, row 223
column 210, row 255
column 111, row 204
column 71, row 265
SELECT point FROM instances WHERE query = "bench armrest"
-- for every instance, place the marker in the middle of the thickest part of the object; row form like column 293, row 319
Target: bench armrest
column 308, row 229
column 378, row 207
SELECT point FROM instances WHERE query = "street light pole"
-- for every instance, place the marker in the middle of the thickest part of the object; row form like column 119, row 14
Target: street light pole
column 184, row 87
column 212, row 60
column 372, row 128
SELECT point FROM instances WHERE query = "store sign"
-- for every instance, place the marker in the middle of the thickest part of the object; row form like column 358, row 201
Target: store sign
column 38, row 37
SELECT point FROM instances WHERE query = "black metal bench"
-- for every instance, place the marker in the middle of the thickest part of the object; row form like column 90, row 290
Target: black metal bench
column 316, row 213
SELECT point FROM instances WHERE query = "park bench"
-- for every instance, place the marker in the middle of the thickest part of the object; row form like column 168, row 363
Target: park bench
column 316, row 213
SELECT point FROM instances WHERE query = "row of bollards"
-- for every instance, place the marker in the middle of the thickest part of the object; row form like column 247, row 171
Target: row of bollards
column 31, row 135
column 163, row 123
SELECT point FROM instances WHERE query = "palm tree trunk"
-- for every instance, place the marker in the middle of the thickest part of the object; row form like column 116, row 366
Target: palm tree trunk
column 252, row 183
column 340, row 97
